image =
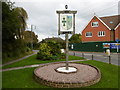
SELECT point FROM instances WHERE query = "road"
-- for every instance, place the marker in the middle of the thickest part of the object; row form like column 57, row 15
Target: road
column 98, row 56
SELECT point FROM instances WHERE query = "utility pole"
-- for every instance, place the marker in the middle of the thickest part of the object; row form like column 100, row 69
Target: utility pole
column 31, row 37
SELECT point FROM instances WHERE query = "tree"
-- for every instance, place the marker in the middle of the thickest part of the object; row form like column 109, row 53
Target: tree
column 76, row 38
column 22, row 16
column 13, row 23
column 57, row 40
column 31, row 37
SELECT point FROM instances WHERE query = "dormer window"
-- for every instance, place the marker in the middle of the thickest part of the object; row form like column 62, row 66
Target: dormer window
column 111, row 22
column 94, row 24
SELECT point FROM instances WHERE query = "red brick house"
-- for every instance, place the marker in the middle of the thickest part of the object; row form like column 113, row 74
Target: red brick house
column 102, row 29
column 117, row 32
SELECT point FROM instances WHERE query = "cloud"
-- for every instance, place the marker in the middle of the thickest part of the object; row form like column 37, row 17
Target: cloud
column 42, row 13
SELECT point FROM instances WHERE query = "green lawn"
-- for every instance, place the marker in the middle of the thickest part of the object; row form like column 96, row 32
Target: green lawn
column 23, row 78
column 16, row 57
column 32, row 60
column 109, row 74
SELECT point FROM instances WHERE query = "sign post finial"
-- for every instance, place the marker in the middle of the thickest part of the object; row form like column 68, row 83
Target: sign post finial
column 66, row 6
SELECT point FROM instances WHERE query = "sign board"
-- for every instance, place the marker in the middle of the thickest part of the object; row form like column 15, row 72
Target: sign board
column 117, row 40
column 106, row 45
column 111, row 45
column 66, row 23
column 114, row 45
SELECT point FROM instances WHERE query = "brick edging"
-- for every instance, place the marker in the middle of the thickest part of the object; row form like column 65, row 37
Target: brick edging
column 70, row 84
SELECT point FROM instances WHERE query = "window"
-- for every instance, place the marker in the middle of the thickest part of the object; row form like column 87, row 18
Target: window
column 101, row 33
column 88, row 34
column 94, row 24
column 111, row 22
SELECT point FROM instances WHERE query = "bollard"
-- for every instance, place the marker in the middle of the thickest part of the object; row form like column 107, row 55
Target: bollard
column 92, row 56
column 74, row 54
column 109, row 60
column 108, row 54
column 83, row 55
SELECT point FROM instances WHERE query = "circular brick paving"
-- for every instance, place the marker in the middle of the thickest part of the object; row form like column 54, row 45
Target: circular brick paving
column 86, row 75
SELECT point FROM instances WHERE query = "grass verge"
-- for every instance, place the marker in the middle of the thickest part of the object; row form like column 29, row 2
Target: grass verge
column 32, row 60
column 17, row 57
column 23, row 78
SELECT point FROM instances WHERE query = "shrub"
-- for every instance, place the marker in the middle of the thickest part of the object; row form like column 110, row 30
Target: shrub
column 50, row 51
column 55, row 47
column 62, row 56
column 28, row 49
column 55, row 57
column 44, row 52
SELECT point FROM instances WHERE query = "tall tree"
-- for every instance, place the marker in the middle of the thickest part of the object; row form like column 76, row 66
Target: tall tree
column 22, row 16
column 76, row 38
column 13, row 23
column 30, row 36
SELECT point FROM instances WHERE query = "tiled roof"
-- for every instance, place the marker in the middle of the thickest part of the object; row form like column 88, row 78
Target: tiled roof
column 111, row 21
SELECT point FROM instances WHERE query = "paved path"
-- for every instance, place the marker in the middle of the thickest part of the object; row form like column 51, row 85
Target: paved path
column 35, row 52
column 35, row 65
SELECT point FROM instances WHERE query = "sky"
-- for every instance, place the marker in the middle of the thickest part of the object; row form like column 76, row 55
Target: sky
column 42, row 13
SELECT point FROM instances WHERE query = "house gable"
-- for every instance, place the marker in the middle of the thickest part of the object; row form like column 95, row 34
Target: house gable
column 117, row 26
column 102, row 27
column 117, row 32
column 99, row 20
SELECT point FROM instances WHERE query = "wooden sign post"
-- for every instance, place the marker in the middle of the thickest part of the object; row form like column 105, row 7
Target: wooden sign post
column 66, row 25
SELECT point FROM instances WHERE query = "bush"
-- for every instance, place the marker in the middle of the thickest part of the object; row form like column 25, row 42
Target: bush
column 50, row 51
column 55, row 47
column 62, row 56
column 44, row 52
column 55, row 57
column 28, row 49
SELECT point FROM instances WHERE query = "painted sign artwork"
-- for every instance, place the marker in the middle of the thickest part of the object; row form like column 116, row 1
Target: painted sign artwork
column 66, row 21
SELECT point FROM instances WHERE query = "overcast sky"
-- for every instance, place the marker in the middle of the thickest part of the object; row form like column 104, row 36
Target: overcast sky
column 42, row 13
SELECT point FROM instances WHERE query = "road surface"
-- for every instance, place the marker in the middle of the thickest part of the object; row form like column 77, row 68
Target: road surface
column 98, row 56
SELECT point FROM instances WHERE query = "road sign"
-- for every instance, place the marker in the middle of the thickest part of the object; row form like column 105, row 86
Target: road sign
column 117, row 44
column 117, row 40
